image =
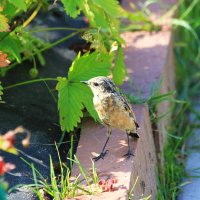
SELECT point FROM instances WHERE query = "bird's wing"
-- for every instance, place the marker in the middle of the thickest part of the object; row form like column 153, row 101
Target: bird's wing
column 128, row 108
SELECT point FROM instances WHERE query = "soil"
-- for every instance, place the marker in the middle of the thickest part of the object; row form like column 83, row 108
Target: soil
column 33, row 107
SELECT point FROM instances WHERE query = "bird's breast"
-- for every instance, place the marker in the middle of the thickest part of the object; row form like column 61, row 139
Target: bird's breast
column 112, row 113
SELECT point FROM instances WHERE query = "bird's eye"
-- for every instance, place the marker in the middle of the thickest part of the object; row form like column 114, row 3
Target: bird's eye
column 96, row 84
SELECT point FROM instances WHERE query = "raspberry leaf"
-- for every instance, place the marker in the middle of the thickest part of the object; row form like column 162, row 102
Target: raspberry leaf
column 20, row 4
column 69, row 104
column 111, row 7
column 72, row 98
column 90, row 65
column 119, row 71
column 72, row 7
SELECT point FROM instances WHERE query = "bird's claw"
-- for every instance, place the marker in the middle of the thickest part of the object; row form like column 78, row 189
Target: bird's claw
column 128, row 154
column 101, row 155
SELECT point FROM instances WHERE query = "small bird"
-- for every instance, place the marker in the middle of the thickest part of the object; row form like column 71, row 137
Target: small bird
column 113, row 109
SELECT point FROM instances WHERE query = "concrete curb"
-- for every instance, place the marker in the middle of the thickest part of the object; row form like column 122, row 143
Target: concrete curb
column 149, row 58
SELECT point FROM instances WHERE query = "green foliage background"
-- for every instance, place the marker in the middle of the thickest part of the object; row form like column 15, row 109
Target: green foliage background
column 105, row 20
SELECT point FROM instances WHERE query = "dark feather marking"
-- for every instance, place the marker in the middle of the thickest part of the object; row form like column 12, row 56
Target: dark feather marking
column 134, row 135
column 108, row 86
column 136, row 124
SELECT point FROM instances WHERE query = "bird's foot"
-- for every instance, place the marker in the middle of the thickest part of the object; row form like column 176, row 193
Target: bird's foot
column 128, row 154
column 101, row 155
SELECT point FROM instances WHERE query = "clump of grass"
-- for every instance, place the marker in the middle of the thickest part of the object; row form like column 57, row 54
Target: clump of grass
column 171, row 174
column 187, row 61
column 63, row 186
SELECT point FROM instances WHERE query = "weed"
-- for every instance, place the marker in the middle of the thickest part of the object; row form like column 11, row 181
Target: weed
column 63, row 186
column 187, row 59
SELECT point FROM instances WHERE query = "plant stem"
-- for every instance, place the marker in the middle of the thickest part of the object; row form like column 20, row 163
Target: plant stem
column 56, row 29
column 33, row 15
column 45, row 48
column 29, row 82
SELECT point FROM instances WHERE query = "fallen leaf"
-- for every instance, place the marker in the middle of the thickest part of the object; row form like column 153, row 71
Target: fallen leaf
column 4, row 61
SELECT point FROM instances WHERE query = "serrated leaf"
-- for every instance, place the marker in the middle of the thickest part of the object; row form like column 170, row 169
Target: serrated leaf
column 20, row 4
column 72, row 7
column 9, row 10
column 69, row 104
column 97, row 17
column 4, row 26
column 90, row 65
column 12, row 46
column 119, row 71
column 111, row 7
column 86, row 96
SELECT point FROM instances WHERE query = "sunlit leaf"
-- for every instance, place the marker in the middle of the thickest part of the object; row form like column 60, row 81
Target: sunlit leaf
column 111, row 7
column 69, row 104
column 119, row 71
column 72, row 98
column 90, row 65
column 20, row 4
column 72, row 7
column 86, row 97
column 12, row 46
column 97, row 17
column 4, row 26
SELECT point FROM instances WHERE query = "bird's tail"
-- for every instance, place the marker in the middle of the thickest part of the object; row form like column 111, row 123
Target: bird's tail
column 134, row 135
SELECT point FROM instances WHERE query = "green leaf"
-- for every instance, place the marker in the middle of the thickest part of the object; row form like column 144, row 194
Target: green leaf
column 72, row 98
column 11, row 45
column 9, row 10
column 72, row 7
column 4, row 27
column 111, row 7
column 20, row 4
column 97, row 17
column 186, row 25
column 86, row 96
column 90, row 65
column 69, row 104
column 119, row 71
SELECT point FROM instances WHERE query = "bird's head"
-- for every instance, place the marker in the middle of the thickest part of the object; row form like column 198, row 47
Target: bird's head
column 100, row 84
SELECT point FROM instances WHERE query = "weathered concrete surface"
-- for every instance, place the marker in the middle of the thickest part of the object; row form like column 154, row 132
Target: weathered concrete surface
column 114, row 165
column 152, row 61
column 149, row 60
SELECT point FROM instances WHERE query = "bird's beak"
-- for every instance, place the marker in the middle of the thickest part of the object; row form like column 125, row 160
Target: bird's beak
column 85, row 82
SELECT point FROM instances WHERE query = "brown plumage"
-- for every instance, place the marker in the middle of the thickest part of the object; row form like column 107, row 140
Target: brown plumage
column 113, row 109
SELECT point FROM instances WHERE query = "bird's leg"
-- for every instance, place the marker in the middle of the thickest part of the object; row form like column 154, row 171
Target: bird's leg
column 129, row 153
column 103, row 152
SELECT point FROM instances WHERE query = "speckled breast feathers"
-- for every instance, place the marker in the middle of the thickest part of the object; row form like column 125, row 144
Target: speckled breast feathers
column 112, row 107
